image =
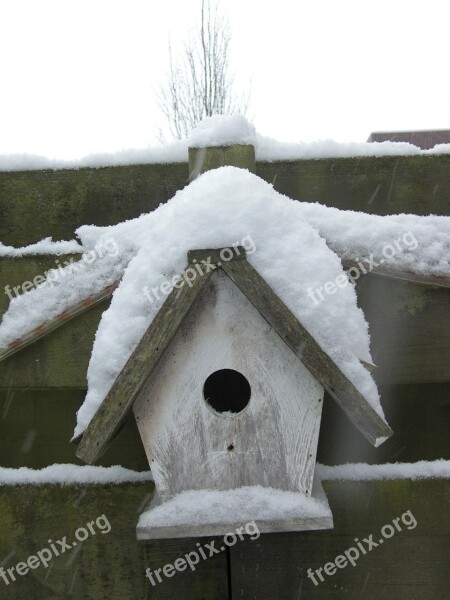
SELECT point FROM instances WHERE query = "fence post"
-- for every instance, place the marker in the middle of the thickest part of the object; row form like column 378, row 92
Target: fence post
column 213, row 157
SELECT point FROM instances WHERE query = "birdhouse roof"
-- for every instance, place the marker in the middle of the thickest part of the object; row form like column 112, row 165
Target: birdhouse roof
column 296, row 247
column 160, row 333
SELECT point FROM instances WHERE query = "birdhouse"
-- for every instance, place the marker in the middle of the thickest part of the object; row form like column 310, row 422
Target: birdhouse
column 227, row 387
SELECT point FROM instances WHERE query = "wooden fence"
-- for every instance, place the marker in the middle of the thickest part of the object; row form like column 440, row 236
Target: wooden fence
column 42, row 387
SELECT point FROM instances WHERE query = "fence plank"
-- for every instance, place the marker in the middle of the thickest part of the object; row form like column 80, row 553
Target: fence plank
column 105, row 566
column 37, row 204
column 411, row 565
column 383, row 185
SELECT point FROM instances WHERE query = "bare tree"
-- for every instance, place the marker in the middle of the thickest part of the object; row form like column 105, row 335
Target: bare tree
column 199, row 84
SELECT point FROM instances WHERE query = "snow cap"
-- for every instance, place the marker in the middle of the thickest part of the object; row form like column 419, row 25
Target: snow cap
column 222, row 130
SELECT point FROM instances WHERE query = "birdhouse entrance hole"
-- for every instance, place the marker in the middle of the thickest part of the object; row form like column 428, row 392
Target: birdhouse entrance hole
column 227, row 390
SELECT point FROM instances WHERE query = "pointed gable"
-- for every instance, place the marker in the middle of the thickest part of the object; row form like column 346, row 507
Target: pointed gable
column 143, row 361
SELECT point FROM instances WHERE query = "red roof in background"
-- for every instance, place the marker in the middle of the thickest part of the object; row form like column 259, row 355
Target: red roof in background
column 422, row 139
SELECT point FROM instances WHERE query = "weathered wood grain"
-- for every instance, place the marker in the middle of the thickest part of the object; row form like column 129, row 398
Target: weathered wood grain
column 306, row 348
column 141, row 363
column 271, row 443
column 212, row 529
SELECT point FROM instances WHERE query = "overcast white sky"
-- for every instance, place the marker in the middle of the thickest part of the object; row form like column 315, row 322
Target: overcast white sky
column 80, row 77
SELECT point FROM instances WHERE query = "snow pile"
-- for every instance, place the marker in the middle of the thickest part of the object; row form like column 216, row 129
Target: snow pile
column 70, row 474
column 63, row 288
column 411, row 243
column 220, row 208
column 246, row 504
column 363, row 472
column 45, row 246
column 222, row 130
column 223, row 207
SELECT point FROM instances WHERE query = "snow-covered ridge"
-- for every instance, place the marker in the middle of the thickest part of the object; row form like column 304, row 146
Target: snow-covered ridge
column 271, row 150
column 169, row 153
column 74, row 474
column 221, row 130
column 422, row 469
column 44, row 247
column 71, row 474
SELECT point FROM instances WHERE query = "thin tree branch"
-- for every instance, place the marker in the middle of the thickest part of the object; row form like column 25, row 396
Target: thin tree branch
column 199, row 83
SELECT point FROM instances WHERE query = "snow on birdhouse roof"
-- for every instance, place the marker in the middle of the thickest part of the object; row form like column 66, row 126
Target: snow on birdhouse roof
column 221, row 208
column 155, row 341
column 224, row 207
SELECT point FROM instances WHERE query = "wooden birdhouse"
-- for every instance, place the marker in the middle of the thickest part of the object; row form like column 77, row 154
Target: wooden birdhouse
column 227, row 389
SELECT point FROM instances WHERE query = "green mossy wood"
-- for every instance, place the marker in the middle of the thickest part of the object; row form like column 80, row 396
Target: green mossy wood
column 36, row 204
column 380, row 185
column 412, row 565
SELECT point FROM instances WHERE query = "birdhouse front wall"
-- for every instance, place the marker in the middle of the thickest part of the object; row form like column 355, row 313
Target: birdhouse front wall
column 229, row 404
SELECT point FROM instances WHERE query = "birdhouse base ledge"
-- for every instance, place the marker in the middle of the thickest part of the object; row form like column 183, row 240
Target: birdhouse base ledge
column 204, row 513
